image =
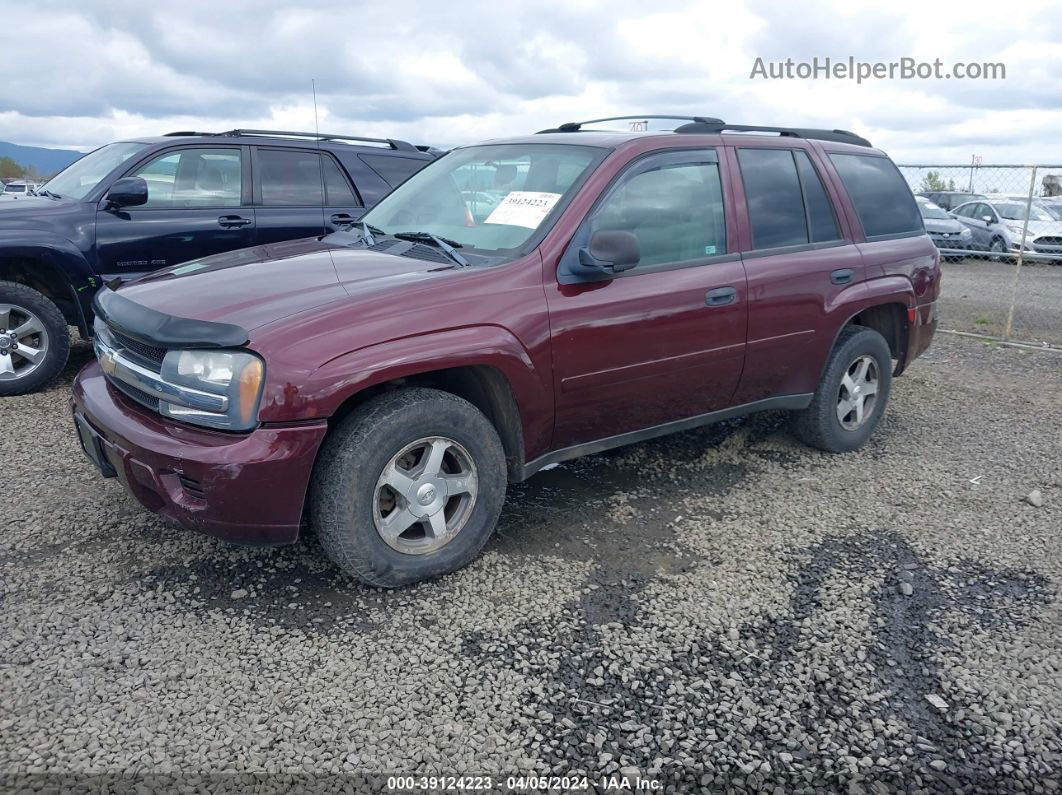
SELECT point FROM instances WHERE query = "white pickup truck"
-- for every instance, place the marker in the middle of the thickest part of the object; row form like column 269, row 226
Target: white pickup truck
column 18, row 189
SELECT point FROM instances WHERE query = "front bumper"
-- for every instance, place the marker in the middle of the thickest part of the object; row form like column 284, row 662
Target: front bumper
column 248, row 488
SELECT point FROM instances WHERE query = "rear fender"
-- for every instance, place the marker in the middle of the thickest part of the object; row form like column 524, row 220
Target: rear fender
column 859, row 297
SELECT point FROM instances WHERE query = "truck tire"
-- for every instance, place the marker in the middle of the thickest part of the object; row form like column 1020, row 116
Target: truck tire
column 408, row 486
column 852, row 394
column 34, row 341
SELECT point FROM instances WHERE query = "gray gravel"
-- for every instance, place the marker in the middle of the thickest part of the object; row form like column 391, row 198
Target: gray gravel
column 723, row 609
column 976, row 293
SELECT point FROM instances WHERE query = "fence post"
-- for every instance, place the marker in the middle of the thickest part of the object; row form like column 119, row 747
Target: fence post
column 1021, row 255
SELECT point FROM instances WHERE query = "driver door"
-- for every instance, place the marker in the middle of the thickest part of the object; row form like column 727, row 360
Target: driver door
column 198, row 204
column 664, row 341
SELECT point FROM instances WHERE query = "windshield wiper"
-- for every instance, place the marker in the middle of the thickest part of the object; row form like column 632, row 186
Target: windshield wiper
column 368, row 232
column 449, row 247
column 48, row 193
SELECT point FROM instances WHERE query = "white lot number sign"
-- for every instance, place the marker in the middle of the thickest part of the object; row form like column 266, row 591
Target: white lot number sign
column 523, row 208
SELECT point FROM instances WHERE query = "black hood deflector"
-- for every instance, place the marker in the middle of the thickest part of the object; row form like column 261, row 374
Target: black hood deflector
column 152, row 327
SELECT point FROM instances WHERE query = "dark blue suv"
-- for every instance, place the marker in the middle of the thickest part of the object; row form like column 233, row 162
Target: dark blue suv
column 136, row 206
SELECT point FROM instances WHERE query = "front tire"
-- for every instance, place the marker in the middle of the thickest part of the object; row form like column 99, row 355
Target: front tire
column 34, row 341
column 409, row 486
column 852, row 394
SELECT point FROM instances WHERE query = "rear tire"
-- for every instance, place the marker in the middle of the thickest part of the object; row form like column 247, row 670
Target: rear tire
column 34, row 341
column 852, row 394
column 437, row 516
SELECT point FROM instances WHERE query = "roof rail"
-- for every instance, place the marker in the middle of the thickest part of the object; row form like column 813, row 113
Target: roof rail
column 394, row 143
column 706, row 124
column 573, row 126
column 717, row 126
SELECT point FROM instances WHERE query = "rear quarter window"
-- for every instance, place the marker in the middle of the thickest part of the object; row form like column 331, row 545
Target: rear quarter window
column 882, row 199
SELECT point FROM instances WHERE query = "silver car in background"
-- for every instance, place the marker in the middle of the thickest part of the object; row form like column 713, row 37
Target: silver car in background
column 996, row 227
column 949, row 235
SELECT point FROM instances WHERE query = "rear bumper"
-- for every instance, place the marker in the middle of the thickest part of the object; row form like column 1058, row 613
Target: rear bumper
column 248, row 488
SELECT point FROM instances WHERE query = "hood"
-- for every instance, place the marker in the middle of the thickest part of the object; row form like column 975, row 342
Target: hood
column 1037, row 228
column 939, row 225
column 31, row 210
column 254, row 286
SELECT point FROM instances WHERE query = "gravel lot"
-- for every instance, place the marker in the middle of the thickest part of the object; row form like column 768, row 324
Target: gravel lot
column 721, row 609
column 976, row 296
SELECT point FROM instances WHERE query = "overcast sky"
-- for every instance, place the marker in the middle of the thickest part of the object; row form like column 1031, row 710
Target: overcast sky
column 79, row 74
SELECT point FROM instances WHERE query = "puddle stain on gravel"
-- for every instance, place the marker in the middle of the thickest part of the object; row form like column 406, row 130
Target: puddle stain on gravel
column 591, row 702
column 292, row 587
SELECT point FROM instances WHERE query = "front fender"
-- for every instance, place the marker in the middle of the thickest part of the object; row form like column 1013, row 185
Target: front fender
column 66, row 265
column 330, row 385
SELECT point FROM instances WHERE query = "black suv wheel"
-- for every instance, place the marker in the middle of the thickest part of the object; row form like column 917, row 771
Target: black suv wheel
column 852, row 394
column 34, row 342
column 410, row 485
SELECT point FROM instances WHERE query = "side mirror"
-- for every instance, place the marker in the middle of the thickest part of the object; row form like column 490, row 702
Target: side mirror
column 988, row 219
column 610, row 252
column 128, row 192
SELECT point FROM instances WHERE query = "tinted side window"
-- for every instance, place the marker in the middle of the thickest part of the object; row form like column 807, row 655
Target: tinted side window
column 775, row 202
column 337, row 189
column 289, row 177
column 675, row 211
column 191, row 178
column 821, row 220
column 393, row 170
column 882, row 199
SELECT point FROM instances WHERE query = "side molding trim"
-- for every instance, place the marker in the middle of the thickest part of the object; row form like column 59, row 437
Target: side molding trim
column 800, row 401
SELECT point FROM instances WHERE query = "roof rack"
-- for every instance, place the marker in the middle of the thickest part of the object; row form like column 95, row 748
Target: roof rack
column 705, row 124
column 394, row 143
column 573, row 126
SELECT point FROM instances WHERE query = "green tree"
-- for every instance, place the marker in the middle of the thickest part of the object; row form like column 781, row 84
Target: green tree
column 933, row 181
column 10, row 169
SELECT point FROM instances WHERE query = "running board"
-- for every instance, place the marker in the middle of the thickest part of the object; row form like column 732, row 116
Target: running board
column 600, row 445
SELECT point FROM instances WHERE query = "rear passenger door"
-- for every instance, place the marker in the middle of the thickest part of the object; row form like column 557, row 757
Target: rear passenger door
column 799, row 255
column 301, row 193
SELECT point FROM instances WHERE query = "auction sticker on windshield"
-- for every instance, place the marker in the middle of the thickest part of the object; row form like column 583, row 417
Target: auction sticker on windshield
column 523, row 208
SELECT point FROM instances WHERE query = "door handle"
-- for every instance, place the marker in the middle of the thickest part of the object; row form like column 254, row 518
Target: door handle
column 233, row 221
column 842, row 275
column 342, row 219
column 720, row 296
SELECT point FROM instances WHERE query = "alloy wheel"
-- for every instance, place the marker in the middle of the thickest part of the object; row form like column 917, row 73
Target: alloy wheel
column 23, row 342
column 425, row 495
column 858, row 393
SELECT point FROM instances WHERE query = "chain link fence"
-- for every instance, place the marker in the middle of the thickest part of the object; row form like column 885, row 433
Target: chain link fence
column 999, row 231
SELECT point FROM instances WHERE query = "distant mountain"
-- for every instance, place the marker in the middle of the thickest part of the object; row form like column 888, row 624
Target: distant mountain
column 43, row 161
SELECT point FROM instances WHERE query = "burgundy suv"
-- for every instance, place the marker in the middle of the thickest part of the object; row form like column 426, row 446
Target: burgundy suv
column 514, row 304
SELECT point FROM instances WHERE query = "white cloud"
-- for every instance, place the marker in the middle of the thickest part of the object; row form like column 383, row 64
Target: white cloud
column 80, row 74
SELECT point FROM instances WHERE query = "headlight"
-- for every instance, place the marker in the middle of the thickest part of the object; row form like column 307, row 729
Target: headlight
column 238, row 375
column 965, row 232
column 1015, row 228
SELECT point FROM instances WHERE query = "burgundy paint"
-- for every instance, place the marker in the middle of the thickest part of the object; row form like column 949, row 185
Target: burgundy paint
column 583, row 362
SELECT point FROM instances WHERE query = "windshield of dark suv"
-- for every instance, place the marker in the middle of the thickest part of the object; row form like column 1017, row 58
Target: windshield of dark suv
column 490, row 199
column 80, row 177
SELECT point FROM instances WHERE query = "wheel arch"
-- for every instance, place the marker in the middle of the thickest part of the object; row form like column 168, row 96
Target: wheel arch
column 64, row 278
column 885, row 306
column 486, row 365
column 484, row 386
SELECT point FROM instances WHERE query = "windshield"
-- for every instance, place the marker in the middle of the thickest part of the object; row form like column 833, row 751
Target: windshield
column 1013, row 211
column 490, row 199
column 930, row 210
column 81, row 176
column 1053, row 209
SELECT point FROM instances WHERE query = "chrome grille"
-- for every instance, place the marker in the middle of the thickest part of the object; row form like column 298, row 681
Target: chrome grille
column 147, row 353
